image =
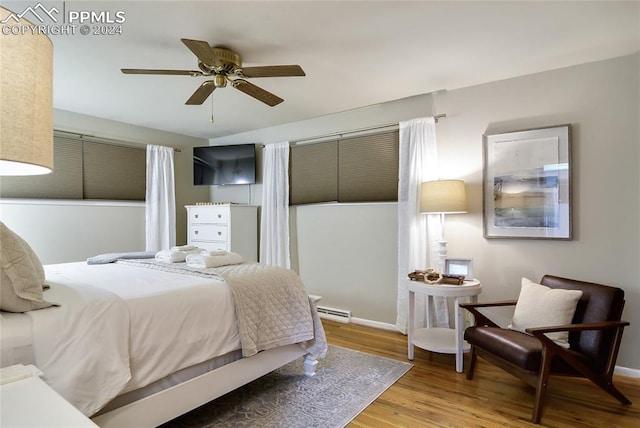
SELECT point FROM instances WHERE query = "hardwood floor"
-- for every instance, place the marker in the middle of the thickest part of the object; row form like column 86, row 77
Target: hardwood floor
column 432, row 394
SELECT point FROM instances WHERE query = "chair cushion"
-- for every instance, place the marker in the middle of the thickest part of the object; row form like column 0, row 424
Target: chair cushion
column 541, row 306
column 519, row 349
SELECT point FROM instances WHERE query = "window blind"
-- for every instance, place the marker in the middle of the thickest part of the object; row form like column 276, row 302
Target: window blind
column 64, row 182
column 314, row 173
column 84, row 170
column 368, row 168
column 113, row 172
column 357, row 169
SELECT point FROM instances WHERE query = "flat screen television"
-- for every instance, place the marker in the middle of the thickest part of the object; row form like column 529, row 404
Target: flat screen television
column 223, row 165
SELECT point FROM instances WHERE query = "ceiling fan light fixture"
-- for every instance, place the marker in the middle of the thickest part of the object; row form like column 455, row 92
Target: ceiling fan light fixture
column 227, row 56
column 220, row 81
column 225, row 66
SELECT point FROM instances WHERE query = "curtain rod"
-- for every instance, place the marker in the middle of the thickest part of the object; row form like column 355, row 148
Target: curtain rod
column 111, row 141
column 355, row 131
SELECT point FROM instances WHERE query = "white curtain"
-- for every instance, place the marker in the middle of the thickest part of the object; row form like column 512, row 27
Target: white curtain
column 160, row 199
column 417, row 233
column 274, row 223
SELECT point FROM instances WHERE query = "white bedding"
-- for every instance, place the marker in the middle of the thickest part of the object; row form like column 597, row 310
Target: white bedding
column 271, row 304
column 148, row 324
column 15, row 346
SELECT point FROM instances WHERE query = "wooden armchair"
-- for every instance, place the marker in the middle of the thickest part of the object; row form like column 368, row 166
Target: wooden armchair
column 594, row 338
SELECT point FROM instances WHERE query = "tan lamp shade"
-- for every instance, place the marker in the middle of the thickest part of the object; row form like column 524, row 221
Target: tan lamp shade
column 443, row 197
column 26, row 99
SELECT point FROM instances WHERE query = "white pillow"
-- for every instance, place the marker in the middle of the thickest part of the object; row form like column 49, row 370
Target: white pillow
column 541, row 306
column 22, row 276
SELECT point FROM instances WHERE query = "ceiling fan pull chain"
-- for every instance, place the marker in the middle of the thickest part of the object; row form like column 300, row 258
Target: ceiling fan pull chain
column 211, row 110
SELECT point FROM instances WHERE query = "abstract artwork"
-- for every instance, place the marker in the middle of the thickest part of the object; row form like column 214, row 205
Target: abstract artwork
column 526, row 187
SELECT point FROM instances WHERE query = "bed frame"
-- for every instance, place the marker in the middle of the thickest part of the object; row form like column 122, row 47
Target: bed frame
column 179, row 399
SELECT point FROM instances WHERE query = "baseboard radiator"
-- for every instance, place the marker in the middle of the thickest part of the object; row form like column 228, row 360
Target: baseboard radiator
column 333, row 314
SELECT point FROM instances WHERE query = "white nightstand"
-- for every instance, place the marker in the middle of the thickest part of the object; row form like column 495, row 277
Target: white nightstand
column 443, row 340
column 30, row 402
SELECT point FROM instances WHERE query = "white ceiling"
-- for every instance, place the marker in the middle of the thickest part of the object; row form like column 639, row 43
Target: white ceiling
column 355, row 53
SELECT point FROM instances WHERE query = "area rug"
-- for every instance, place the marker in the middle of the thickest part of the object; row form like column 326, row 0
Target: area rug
column 346, row 382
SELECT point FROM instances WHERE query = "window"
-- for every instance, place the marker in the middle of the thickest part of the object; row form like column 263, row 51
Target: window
column 84, row 170
column 357, row 169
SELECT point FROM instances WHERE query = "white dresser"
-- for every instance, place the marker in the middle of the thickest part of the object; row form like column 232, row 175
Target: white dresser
column 225, row 227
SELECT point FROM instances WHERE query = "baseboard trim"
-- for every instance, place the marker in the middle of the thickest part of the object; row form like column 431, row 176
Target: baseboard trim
column 625, row 371
column 621, row 371
column 376, row 324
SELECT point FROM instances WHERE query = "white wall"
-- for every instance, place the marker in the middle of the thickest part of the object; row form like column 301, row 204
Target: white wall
column 600, row 100
column 347, row 254
column 70, row 231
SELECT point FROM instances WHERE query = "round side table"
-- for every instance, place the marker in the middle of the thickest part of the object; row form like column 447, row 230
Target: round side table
column 437, row 339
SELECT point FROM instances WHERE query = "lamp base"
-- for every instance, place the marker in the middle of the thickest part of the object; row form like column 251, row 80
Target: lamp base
column 442, row 255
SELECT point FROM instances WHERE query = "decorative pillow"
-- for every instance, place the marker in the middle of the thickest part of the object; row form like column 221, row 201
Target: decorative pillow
column 540, row 306
column 22, row 276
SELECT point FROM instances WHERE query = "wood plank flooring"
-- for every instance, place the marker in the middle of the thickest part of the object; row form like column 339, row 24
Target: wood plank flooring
column 432, row 394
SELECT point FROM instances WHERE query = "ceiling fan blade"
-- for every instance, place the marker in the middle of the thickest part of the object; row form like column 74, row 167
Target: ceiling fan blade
column 257, row 92
column 273, row 71
column 203, row 51
column 193, row 73
column 202, row 93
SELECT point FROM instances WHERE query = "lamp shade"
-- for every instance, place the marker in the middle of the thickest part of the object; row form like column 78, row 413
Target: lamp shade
column 26, row 98
column 443, row 196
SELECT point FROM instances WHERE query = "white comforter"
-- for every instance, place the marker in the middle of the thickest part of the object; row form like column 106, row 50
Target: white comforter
column 124, row 327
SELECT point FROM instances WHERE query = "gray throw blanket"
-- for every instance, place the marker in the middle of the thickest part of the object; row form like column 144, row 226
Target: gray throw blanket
column 101, row 259
column 271, row 304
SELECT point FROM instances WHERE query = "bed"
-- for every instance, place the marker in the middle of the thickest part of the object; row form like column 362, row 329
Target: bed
column 138, row 343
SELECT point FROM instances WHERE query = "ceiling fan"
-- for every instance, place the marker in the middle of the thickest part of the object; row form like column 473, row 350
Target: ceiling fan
column 225, row 66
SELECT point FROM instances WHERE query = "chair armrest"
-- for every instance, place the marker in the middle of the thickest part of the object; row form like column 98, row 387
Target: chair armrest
column 551, row 348
column 482, row 319
column 537, row 331
column 488, row 304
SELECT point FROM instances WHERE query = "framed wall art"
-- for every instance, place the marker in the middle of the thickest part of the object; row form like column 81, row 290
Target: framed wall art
column 527, row 184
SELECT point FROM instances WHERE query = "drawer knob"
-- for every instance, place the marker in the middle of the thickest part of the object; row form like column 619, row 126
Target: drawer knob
column 219, row 215
column 219, row 233
column 196, row 232
column 196, row 215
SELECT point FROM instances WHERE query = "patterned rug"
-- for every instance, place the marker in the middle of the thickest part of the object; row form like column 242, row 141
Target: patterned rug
column 346, row 382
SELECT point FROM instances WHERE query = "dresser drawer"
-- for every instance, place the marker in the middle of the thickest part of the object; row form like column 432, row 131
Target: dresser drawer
column 209, row 232
column 213, row 246
column 209, row 214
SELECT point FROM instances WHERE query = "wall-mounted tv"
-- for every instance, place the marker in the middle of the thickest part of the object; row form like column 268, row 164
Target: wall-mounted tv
column 222, row 165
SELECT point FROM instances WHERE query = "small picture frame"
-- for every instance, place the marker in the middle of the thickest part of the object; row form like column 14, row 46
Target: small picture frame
column 459, row 267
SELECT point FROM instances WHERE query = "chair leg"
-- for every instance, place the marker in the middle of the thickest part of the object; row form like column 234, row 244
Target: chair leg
column 472, row 363
column 541, row 389
column 608, row 386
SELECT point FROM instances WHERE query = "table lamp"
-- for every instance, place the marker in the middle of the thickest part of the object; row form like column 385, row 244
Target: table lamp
column 443, row 197
column 26, row 106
